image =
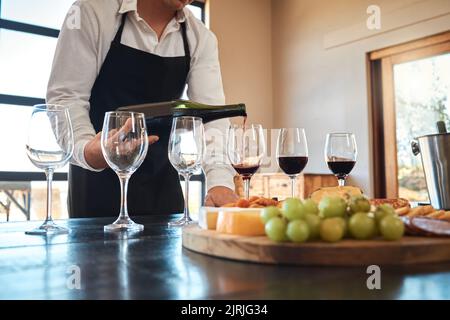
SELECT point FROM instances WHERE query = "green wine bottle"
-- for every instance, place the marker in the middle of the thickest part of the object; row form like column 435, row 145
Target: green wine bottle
column 179, row 108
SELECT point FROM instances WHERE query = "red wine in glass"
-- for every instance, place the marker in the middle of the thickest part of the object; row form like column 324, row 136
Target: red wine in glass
column 340, row 154
column 246, row 171
column 341, row 168
column 292, row 165
column 292, row 153
column 245, row 149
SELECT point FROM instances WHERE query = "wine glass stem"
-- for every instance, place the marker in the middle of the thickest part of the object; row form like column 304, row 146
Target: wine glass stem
column 186, row 196
column 49, row 175
column 247, row 187
column 123, row 195
column 293, row 180
column 341, row 182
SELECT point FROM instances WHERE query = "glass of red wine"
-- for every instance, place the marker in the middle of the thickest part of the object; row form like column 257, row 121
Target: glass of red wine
column 292, row 153
column 340, row 154
column 246, row 148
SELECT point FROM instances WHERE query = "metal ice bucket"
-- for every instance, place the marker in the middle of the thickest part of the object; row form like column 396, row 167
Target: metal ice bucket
column 435, row 153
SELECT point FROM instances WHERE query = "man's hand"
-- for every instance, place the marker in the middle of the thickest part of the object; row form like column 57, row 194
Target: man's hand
column 93, row 151
column 218, row 196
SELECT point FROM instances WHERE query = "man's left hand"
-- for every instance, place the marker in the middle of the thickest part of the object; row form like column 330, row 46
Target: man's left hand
column 218, row 196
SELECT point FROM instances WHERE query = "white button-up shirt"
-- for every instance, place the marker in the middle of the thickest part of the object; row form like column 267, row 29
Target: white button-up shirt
column 82, row 48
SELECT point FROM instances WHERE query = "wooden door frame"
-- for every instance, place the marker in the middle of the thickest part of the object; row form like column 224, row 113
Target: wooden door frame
column 382, row 105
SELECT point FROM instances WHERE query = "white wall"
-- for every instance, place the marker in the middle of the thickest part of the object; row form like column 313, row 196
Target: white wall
column 243, row 29
column 319, row 65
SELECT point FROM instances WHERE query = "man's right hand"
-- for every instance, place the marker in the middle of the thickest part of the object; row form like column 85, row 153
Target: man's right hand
column 93, row 151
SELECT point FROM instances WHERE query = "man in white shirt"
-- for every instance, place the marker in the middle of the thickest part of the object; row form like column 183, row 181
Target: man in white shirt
column 129, row 52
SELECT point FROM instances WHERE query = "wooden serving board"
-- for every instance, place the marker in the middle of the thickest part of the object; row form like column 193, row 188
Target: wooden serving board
column 409, row 250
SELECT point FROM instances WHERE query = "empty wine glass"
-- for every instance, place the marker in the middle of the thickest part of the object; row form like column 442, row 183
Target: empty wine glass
column 292, row 153
column 186, row 152
column 340, row 154
column 246, row 148
column 49, row 147
column 124, row 145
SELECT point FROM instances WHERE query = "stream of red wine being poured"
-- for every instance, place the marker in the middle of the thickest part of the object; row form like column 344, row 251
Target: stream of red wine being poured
column 244, row 125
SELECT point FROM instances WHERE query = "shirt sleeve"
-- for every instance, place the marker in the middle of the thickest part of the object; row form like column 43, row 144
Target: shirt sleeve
column 73, row 74
column 205, row 86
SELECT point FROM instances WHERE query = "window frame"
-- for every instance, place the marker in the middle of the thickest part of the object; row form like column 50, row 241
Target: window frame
column 382, row 105
column 48, row 32
column 27, row 101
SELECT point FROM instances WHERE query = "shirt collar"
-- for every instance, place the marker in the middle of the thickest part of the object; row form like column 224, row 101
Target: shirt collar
column 128, row 5
column 131, row 5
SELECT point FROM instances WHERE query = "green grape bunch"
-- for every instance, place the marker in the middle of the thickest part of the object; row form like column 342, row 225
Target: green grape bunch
column 331, row 220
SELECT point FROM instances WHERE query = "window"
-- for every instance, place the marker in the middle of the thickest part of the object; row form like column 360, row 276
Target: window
column 36, row 13
column 28, row 37
column 410, row 93
column 422, row 98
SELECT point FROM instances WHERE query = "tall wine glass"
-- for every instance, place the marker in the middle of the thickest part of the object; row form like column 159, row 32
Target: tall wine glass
column 292, row 153
column 49, row 147
column 186, row 152
column 246, row 148
column 124, row 145
column 340, row 154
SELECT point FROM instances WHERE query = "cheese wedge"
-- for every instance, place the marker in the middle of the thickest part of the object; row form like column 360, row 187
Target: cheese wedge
column 243, row 222
column 207, row 217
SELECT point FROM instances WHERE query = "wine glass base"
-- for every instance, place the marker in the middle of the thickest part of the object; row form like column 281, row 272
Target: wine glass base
column 181, row 222
column 48, row 228
column 123, row 224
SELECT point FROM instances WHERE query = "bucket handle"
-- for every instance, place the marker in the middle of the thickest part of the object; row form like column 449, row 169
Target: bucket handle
column 415, row 147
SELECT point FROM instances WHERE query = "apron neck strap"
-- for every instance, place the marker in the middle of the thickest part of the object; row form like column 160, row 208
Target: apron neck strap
column 187, row 51
column 118, row 37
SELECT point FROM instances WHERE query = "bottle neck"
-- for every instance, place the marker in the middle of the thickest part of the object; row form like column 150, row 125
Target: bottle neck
column 210, row 113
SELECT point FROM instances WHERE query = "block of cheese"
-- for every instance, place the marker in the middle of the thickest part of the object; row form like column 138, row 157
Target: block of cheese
column 238, row 221
column 207, row 218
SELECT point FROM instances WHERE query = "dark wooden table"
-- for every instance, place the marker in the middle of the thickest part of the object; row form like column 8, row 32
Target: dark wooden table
column 153, row 265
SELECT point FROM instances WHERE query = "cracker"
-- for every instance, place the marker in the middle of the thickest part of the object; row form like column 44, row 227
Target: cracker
column 402, row 211
column 416, row 212
column 445, row 216
column 427, row 210
column 420, row 211
column 436, row 214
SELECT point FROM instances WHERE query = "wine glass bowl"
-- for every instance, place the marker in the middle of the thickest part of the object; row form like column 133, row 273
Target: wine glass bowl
column 186, row 152
column 49, row 146
column 246, row 149
column 292, row 153
column 124, row 145
column 340, row 154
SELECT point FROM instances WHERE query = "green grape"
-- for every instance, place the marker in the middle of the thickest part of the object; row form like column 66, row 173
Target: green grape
column 313, row 222
column 292, row 209
column 297, row 231
column 268, row 213
column 276, row 229
column 383, row 211
column 310, row 206
column 332, row 229
column 332, row 207
column 359, row 204
column 391, row 228
column 362, row 226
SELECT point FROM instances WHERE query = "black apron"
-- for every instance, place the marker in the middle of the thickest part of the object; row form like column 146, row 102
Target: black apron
column 130, row 76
